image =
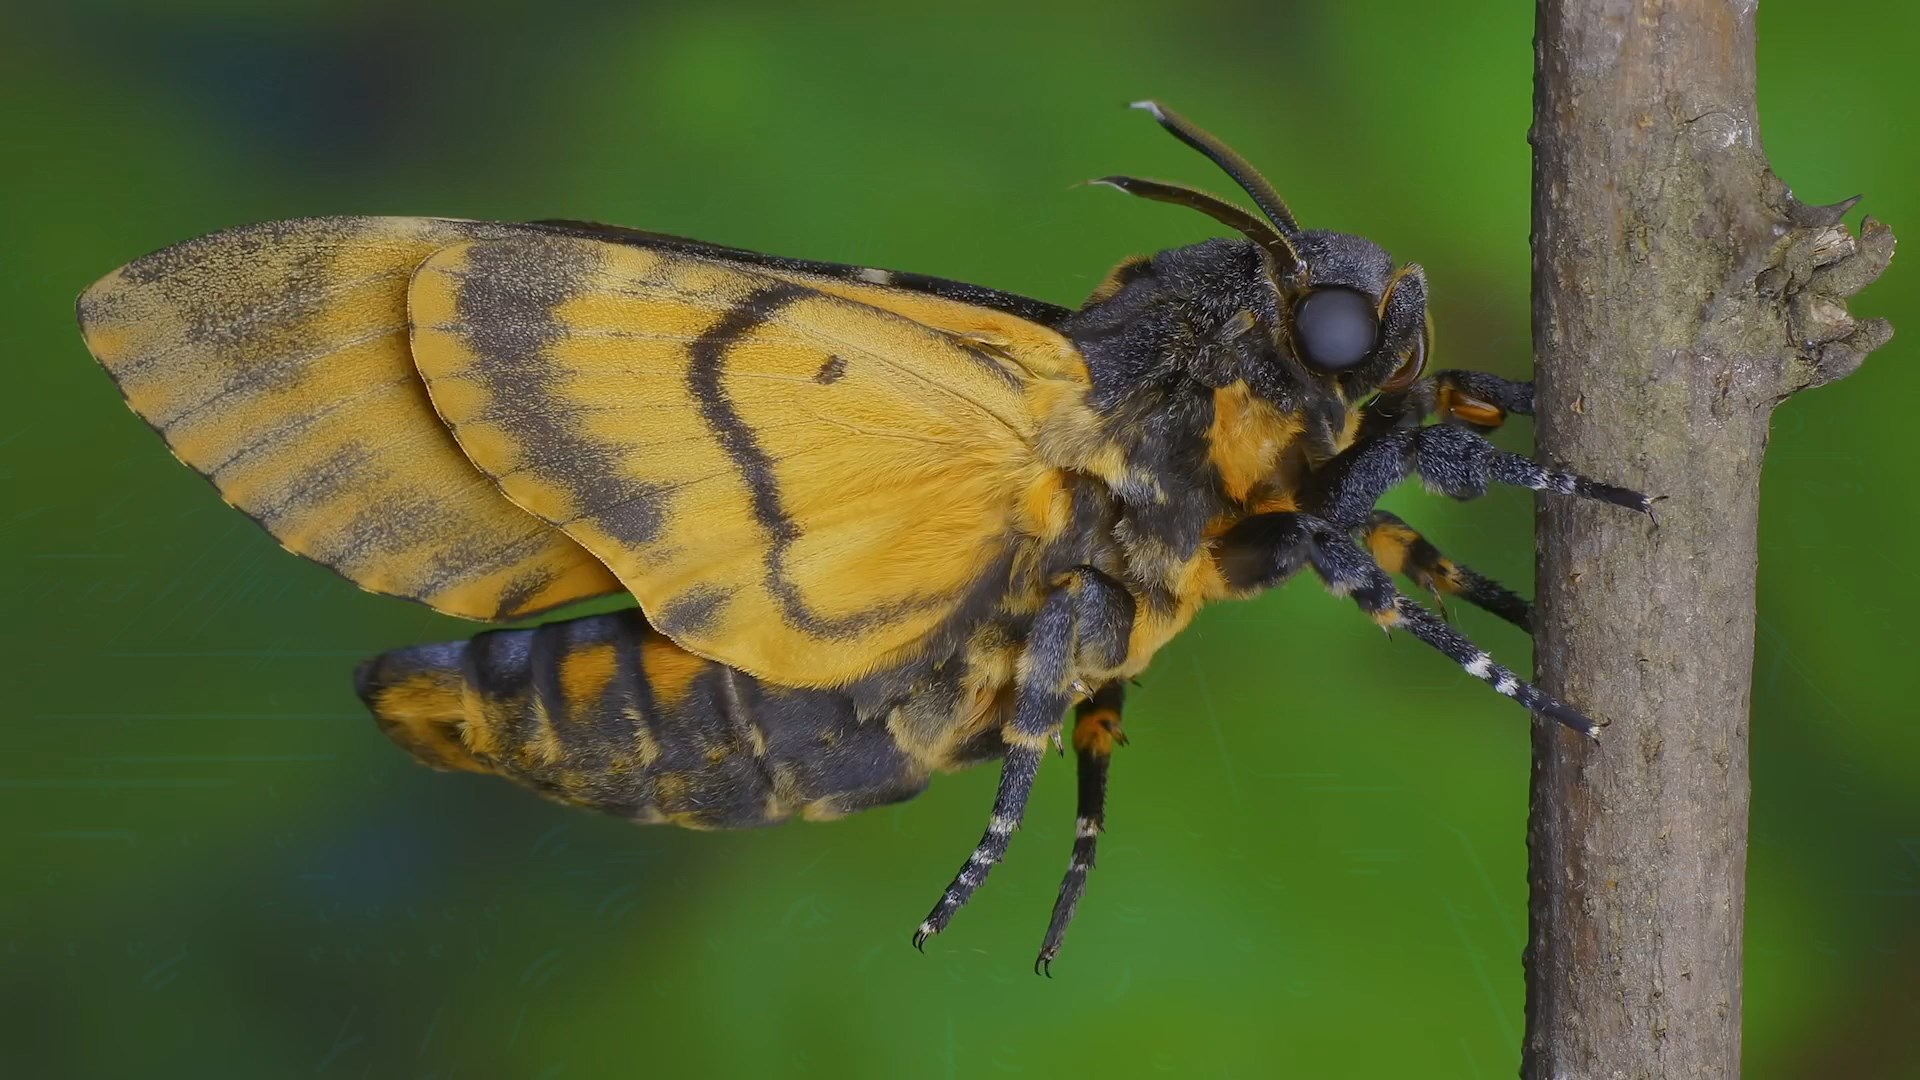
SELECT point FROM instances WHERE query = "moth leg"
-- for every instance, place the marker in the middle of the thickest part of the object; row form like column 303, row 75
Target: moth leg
column 1453, row 460
column 1479, row 400
column 1401, row 550
column 1472, row 399
column 1096, row 731
column 1265, row 549
column 1090, row 615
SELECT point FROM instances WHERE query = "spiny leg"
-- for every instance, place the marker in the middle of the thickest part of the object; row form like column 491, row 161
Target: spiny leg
column 1347, row 570
column 1263, row 550
column 1096, row 731
column 1434, row 631
column 1009, row 806
column 1453, row 460
column 1041, row 696
column 1399, row 549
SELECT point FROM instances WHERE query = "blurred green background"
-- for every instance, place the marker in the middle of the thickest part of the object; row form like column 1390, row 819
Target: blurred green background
column 215, row 866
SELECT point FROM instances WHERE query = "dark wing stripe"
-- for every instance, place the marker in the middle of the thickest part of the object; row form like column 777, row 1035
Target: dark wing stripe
column 742, row 446
column 506, row 307
column 272, row 374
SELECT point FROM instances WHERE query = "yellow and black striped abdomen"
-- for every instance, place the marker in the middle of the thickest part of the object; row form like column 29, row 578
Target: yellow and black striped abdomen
column 607, row 713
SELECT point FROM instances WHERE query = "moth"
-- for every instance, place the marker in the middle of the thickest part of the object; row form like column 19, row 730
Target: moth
column 877, row 524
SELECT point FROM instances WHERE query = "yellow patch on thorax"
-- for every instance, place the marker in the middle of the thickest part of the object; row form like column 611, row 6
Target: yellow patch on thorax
column 1247, row 439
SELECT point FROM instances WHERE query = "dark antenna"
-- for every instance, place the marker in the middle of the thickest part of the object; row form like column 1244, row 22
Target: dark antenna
column 1243, row 173
column 1220, row 210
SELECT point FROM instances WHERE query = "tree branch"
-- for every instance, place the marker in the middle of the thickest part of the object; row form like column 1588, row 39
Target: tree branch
column 1681, row 292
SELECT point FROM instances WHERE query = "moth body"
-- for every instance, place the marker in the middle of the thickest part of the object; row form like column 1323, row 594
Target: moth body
column 877, row 524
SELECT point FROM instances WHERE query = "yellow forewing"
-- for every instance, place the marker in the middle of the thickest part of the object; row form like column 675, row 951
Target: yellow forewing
column 792, row 483
column 273, row 359
column 1040, row 352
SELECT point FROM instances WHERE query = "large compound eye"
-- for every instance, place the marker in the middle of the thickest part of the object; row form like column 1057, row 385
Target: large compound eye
column 1335, row 328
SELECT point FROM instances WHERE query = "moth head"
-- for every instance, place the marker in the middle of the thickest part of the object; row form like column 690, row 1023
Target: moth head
column 1343, row 311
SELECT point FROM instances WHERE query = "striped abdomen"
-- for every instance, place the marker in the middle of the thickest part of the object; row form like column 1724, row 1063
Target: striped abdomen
column 605, row 712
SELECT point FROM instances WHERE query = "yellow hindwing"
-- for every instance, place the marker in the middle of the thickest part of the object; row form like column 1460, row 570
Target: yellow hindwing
column 792, row 483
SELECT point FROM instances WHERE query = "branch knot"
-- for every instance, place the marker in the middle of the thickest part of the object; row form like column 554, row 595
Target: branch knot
column 1822, row 265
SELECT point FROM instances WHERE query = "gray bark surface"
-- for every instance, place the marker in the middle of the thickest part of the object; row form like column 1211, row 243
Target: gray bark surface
column 1681, row 292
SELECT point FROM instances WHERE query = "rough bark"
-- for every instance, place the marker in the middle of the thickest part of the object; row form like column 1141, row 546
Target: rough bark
column 1681, row 292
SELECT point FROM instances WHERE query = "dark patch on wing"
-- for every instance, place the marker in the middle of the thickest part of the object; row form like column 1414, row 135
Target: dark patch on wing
column 187, row 265
column 196, row 279
column 831, row 371
column 694, row 610
column 400, row 521
column 522, row 589
column 458, row 556
column 320, row 483
column 505, row 308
